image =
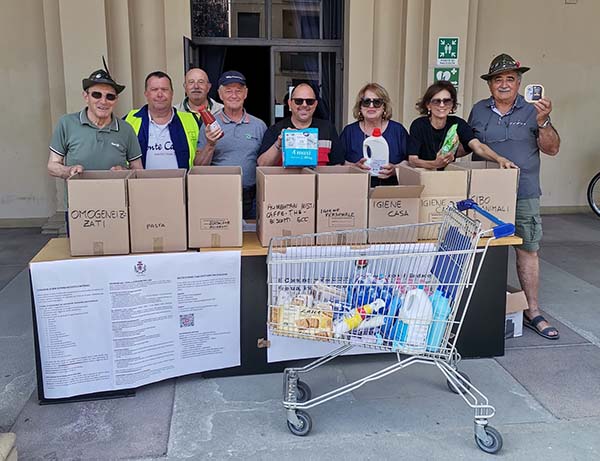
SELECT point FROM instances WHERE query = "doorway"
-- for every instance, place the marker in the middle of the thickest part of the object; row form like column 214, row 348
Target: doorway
column 252, row 61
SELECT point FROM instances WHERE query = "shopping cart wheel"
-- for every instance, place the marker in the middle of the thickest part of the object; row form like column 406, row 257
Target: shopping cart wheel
column 303, row 392
column 305, row 424
column 492, row 443
column 464, row 378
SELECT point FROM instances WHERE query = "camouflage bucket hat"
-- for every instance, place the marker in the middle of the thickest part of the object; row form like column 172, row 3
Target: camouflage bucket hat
column 503, row 63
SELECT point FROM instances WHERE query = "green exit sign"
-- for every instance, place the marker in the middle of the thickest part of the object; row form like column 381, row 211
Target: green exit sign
column 447, row 51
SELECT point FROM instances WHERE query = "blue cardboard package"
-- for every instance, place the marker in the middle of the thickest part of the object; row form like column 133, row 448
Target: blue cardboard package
column 300, row 147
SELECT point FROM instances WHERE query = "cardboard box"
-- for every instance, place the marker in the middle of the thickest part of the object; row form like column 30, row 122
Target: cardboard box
column 98, row 213
column 440, row 188
column 285, row 202
column 342, row 202
column 214, row 206
column 300, row 147
column 157, row 211
column 516, row 303
column 394, row 206
column 494, row 189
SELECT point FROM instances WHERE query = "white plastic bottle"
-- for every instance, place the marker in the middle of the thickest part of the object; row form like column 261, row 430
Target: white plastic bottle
column 379, row 150
column 416, row 313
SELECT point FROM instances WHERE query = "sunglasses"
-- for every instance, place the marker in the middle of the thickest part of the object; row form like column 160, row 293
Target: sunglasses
column 300, row 101
column 439, row 101
column 98, row 95
column 366, row 102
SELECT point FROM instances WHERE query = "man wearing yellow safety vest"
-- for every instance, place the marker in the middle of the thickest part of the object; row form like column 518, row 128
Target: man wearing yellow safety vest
column 168, row 137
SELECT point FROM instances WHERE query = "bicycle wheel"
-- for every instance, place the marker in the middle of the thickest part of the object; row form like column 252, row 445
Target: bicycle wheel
column 593, row 194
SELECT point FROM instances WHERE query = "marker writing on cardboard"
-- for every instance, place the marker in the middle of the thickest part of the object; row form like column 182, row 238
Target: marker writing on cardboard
column 284, row 213
column 96, row 218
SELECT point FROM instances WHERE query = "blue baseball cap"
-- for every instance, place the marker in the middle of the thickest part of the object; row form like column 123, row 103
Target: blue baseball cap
column 232, row 76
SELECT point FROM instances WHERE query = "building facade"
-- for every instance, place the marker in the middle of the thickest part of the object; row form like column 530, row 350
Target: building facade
column 50, row 45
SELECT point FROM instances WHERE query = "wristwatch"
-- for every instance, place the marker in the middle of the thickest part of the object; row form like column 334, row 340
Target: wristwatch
column 547, row 123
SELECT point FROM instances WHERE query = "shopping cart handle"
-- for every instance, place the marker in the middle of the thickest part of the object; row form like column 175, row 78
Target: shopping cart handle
column 502, row 229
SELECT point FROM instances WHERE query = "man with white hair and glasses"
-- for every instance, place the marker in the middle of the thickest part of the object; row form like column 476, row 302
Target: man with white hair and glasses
column 93, row 138
column 519, row 131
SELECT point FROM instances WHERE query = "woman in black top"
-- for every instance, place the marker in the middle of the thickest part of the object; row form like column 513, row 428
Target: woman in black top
column 429, row 131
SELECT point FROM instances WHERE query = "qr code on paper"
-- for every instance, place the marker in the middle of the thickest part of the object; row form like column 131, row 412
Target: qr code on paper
column 186, row 320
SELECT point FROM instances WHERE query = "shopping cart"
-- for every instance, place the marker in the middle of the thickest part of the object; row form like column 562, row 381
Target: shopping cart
column 393, row 289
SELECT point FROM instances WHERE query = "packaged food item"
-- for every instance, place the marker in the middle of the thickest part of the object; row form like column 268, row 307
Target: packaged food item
column 450, row 143
column 298, row 320
column 327, row 293
column 305, row 300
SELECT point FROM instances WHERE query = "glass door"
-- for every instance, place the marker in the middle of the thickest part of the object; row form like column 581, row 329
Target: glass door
column 320, row 67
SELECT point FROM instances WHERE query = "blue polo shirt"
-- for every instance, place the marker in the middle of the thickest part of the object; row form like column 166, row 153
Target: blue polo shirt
column 513, row 135
column 239, row 144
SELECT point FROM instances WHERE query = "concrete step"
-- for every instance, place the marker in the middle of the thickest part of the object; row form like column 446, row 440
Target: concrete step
column 8, row 449
column 55, row 225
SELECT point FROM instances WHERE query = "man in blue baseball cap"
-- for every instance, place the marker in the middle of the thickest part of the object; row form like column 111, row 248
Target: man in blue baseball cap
column 238, row 139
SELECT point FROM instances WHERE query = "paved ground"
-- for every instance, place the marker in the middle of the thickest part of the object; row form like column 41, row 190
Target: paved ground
column 546, row 393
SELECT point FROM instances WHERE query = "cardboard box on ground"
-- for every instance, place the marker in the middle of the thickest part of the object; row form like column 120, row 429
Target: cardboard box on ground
column 285, row 202
column 440, row 189
column 516, row 303
column 342, row 203
column 157, row 210
column 494, row 189
column 215, row 206
column 394, row 206
column 98, row 213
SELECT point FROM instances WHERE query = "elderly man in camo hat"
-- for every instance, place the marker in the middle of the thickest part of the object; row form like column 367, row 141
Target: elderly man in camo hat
column 519, row 131
column 93, row 138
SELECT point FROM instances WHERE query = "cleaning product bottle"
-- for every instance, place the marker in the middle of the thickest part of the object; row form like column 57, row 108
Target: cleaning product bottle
column 356, row 317
column 441, row 312
column 391, row 322
column 416, row 314
column 380, row 151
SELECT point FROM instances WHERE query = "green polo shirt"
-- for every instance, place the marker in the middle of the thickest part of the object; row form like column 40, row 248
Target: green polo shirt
column 81, row 142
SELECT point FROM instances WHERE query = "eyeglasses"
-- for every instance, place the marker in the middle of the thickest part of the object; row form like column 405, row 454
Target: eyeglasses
column 300, row 101
column 366, row 102
column 440, row 101
column 98, row 95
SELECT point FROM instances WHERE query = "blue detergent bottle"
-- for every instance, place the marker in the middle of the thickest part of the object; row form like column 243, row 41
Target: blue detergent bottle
column 391, row 322
column 441, row 313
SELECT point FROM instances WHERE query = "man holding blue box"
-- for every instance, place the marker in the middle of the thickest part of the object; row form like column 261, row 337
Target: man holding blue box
column 302, row 104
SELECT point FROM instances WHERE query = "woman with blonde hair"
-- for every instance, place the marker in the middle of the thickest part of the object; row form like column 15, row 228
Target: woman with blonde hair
column 373, row 109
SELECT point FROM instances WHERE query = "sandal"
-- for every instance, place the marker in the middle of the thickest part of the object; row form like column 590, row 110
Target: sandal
column 545, row 333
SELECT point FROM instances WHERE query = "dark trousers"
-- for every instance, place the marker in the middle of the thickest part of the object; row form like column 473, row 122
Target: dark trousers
column 249, row 202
